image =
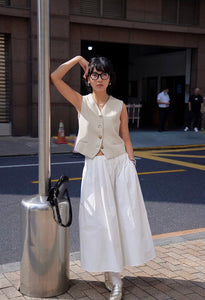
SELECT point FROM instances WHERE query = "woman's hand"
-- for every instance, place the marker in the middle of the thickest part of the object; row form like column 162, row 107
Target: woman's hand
column 84, row 64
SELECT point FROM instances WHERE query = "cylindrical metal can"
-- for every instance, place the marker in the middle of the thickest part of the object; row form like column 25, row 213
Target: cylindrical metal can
column 45, row 249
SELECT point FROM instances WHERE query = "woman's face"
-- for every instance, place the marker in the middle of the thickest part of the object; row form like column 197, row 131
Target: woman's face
column 98, row 80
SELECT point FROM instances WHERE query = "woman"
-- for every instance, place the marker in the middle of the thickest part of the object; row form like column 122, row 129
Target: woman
column 114, row 229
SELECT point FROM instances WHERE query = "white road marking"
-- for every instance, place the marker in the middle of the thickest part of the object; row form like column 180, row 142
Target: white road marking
column 36, row 165
column 56, row 163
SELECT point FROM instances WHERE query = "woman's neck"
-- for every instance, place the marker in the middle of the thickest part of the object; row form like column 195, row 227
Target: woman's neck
column 100, row 98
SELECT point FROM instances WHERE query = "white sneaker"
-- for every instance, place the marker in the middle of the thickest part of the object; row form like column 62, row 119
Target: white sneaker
column 186, row 128
column 195, row 129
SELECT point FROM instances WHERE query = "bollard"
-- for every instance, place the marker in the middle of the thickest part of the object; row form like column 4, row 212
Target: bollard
column 45, row 249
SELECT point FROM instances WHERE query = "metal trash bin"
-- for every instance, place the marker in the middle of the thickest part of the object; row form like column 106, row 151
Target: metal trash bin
column 45, row 249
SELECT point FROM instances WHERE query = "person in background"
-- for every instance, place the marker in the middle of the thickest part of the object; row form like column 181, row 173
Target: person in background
column 196, row 107
column 163, row 101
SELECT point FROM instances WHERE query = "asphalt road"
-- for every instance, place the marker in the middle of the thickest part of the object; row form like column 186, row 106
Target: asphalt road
column 172, row 184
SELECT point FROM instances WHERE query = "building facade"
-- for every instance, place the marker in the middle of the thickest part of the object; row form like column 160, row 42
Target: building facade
column 152, row 44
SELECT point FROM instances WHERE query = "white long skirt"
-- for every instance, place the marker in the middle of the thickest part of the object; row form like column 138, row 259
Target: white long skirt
column 114, row 229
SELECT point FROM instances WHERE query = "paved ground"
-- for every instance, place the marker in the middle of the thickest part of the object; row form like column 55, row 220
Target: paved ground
column 178, row 272
column 177, row 204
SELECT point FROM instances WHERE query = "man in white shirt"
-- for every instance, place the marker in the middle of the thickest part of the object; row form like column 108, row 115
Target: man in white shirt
column 163, row 102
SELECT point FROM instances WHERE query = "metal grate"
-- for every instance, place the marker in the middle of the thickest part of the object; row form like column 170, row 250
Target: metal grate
column 113, row 9
column 4, row 80
column 90, row 7
column 184, row 12
column 99, row 8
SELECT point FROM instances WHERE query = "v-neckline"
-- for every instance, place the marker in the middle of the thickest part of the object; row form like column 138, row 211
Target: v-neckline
column 100, row 110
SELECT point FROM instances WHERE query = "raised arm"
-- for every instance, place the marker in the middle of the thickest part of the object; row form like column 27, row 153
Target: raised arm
column 124, row 132
column 57, row 78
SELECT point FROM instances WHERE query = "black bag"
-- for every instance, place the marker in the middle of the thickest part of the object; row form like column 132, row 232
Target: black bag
column 56, row 194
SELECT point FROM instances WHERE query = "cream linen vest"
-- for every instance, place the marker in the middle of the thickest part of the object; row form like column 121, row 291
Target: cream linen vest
column 99, row 130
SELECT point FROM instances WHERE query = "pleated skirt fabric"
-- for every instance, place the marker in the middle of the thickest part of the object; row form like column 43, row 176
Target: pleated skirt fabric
column 114, row 228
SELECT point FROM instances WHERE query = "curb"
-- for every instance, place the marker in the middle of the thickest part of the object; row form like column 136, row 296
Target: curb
column 33, row 154
column 134, row 148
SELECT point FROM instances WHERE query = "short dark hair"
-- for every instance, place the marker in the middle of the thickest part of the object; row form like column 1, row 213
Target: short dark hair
column 102, row 64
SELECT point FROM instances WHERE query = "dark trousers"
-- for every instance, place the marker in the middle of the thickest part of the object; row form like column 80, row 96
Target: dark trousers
column 194, row 116
column 163, row 114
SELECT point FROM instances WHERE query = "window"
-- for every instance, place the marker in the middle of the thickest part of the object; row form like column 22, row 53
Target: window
column 189, row 12
column 5, row 2
column 184, row 12
column 99, row 8
column 113, row 8
column 169, row 11
column 4, row 80
column 90, row 7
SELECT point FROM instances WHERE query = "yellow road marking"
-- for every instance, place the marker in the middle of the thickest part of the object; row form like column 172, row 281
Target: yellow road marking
column 177, row 150
column 170, row 148
column 70, row 137
column 170, row 161
column 140, row 173
column 55, row 180
column 161, row 172
column 180, row 155
column 178, row 233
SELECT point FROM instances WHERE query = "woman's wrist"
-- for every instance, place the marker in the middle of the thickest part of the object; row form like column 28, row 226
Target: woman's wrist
column 132, row 159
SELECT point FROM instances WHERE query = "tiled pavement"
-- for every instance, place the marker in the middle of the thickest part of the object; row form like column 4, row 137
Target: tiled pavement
column 177, row 272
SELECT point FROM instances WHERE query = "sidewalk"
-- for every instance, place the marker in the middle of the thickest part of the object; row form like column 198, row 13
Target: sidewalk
column 141, row 139
column 177, row 272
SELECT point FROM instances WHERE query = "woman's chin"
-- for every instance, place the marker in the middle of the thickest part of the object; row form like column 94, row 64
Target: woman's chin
column 100, row 88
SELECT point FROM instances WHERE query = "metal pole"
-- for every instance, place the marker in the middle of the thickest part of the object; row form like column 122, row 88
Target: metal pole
column 45, row 245
column 44, row 96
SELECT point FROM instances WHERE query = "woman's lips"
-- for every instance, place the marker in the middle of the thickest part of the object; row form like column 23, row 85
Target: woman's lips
column 99, row 85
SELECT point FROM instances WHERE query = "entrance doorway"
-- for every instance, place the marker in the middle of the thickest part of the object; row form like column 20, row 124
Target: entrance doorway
column 142, row 72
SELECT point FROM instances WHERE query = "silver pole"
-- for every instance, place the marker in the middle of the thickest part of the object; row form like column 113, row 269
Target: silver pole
column 44, row 96
column 45, row 245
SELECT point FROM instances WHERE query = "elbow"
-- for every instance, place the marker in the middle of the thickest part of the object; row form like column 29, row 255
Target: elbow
column 53, row 77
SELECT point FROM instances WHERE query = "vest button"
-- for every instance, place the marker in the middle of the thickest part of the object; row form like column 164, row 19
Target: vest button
column 100, row 136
